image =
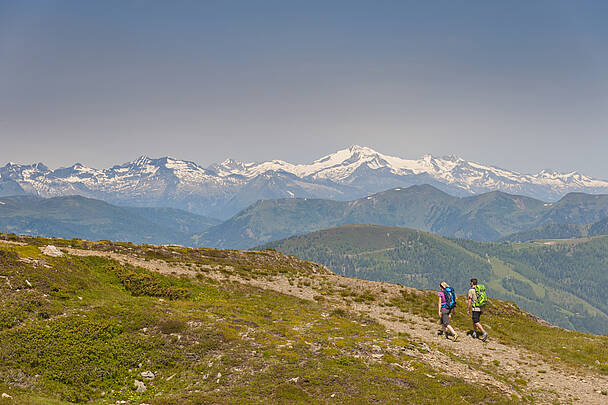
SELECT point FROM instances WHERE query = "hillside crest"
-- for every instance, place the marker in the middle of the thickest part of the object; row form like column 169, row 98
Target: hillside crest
column 167, row 324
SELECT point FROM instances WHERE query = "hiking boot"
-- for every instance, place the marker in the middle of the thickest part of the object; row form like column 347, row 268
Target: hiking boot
column 455, row 337
column 484, row 337
column 474, row 335
column 439, row 332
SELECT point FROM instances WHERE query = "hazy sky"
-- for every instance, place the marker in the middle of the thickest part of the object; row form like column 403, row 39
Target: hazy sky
column 518, row 84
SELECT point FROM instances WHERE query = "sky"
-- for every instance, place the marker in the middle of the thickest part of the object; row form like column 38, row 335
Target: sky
column 520, row 85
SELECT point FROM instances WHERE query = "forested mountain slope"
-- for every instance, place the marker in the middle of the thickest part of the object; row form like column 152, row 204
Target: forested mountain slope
column 559, row 231
column 557, row 281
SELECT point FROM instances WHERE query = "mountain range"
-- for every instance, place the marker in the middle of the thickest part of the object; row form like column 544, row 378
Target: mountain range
column 86, row 218
column 222, row 190
column 494, row 216
column 484, row 217
column 559, row 231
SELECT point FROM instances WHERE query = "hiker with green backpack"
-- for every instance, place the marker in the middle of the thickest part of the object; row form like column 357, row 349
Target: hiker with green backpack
column 476, row 302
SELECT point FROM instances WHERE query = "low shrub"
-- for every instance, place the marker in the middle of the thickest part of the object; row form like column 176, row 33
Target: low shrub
column 142, row 282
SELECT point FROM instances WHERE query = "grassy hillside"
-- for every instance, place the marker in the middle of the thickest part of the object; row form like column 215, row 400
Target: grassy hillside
column 86, row 218
column 210, row 326
column 485, row 217
column 556, row 282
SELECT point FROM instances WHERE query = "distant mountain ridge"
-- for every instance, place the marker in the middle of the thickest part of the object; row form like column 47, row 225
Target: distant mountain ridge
column 223, row 189
column 484, row 217
column 493, row 216
column 86, row 218
column 559, row 231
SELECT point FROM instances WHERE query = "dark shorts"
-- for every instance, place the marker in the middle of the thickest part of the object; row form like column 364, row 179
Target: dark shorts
column 445, row 316
column 476, row 316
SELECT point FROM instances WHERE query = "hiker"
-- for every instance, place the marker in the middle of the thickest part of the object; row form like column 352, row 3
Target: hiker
column 446, row 303
column 476, row 300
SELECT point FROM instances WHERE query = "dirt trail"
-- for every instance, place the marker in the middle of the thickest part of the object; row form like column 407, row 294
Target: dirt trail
column 500, row 364
column 10, row 242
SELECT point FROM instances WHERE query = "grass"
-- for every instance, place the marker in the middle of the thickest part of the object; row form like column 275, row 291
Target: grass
column 87, row 327
column 511, row 326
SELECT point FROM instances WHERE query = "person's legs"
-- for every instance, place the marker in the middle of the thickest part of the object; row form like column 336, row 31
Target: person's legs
column 475, row 319
column 477, row 325
column 445, row 319
column 445, row 323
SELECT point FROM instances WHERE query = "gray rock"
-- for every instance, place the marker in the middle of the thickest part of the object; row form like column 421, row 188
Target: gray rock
column 147, row 374
column 139, row 386
column 51, row 250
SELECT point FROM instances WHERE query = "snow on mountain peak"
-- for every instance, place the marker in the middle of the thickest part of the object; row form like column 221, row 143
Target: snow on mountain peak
column 347, row 173
column 141, row 161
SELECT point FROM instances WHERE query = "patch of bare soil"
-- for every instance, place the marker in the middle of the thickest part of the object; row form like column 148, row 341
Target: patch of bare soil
column 10, row 242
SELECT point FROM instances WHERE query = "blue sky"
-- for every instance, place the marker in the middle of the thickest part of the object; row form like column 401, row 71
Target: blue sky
column 519, row 84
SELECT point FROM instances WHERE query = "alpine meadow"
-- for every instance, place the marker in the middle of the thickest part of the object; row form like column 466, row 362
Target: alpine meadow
column 313, row 202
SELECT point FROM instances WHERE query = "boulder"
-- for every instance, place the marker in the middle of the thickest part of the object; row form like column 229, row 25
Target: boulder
column 51, row 250
column 139, row 386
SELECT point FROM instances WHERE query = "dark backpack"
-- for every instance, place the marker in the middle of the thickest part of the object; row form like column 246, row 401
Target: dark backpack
column 450, row 297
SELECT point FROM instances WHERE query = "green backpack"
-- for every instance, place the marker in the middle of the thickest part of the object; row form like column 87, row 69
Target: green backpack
column 482, row 298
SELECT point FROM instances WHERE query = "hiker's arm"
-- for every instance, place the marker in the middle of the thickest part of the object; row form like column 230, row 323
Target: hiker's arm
column 439, row 305
column 469, row 304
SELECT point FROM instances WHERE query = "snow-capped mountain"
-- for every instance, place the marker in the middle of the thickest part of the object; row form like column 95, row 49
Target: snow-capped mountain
column 361, row 167
column 223, row 189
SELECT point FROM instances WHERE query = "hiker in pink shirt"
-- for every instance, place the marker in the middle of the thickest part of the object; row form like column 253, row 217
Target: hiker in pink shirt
column 445, row 309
